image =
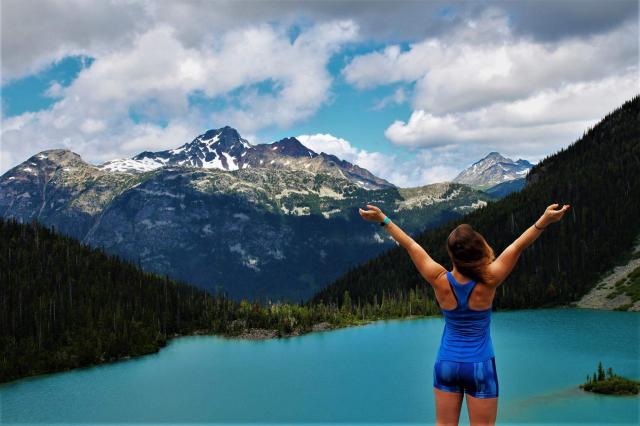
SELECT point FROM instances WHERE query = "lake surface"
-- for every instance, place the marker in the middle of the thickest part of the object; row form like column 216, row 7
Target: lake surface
column 378, row 373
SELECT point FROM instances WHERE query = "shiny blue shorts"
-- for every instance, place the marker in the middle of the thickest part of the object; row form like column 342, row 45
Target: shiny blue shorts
column 478, row 379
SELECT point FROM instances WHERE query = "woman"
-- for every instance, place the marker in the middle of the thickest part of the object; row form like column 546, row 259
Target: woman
column 466, row 362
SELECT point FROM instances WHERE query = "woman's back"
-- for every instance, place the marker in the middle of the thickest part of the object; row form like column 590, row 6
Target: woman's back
column 466, row 336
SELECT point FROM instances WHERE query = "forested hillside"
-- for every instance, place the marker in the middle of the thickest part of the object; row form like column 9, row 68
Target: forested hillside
column 597, row 175
column 65, row 305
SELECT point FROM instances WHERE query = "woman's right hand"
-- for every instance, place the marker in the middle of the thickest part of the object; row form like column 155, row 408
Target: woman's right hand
column 551, row 215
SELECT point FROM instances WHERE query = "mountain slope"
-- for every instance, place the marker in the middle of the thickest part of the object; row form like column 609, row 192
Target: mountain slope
column 65, row 305
column 259, row 233
column 597, row 175
column 618, row 289
column 492, row 170
column 505, row 188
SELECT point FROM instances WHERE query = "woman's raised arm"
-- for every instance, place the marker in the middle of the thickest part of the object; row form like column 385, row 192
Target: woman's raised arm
column 428, row 268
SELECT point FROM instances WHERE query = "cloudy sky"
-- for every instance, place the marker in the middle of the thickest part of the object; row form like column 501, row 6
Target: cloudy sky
column 414, row 91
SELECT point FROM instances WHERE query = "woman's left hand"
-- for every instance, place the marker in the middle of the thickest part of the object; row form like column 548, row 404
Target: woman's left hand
column 372, row 215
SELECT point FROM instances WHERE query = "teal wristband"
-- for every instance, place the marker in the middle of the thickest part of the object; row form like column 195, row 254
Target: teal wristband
column 385, row 221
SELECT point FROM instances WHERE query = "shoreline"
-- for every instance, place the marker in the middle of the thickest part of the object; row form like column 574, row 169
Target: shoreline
column 261, row 334
column 266, row 333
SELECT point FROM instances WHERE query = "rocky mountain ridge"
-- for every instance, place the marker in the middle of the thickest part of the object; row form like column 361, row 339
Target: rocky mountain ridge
column 255, row 232
column 225, row 149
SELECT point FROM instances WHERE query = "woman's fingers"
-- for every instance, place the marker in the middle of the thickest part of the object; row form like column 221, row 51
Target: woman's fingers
column 366, row 214
column 558, row 214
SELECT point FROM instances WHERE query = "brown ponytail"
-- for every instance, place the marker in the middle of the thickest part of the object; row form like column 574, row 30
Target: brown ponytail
column 470, row 252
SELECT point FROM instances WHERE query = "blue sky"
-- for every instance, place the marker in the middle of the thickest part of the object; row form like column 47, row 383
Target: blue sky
column 412, row 91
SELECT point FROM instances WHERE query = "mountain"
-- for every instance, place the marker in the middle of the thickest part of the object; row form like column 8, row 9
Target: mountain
column 505, row 188
column 492, row 170
column 597, row 175
column 224, row 149
column 254, row 232
column 66, row 305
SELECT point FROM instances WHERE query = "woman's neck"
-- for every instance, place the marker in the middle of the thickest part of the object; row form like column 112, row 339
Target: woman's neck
column 459, row 277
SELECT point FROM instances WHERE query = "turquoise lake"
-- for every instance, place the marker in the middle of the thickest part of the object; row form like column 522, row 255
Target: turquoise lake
column 373, row 374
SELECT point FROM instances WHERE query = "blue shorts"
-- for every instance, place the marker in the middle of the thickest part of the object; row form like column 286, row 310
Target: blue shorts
column 478, row 379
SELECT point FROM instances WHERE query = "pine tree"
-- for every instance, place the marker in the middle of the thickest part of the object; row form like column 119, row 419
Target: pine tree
column 600, row 371
column 346, row 302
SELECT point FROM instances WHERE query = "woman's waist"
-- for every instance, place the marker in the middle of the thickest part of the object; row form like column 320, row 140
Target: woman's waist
column 467, row 330
column 466, row 350
column 466, row 337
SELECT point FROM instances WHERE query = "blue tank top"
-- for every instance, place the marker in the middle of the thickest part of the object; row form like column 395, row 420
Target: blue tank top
column 466, row 336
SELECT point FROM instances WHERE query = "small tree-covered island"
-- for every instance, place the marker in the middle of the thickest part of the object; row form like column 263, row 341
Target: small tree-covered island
column 610, row 383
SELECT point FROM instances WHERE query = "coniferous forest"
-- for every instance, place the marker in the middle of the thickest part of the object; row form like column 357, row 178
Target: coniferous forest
column 598, row 175
column 64, row 305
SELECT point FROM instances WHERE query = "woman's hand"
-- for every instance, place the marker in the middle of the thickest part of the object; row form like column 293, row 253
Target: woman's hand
column 551, row 215
column 373, row 215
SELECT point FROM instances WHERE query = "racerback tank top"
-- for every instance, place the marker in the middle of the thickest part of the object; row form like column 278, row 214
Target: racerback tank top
column 466, row 336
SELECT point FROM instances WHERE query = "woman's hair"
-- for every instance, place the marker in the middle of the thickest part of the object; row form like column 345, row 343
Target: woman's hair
column 470, row 252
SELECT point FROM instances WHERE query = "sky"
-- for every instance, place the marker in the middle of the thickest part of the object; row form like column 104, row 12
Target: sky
column 413, row 91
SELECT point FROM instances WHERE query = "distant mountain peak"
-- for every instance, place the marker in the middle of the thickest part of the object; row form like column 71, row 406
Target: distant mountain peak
column 225, row 137
column 494, row 155
column 492, row 170
column 292, row 147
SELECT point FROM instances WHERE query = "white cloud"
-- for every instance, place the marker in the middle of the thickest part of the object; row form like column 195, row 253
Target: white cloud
column 482, row 85
column 30, row 42
column 91, row 125
column 38, row 33
column 423, row 168
column 154, row 77
column 537, row 125
column 482, row 63
column 298, row 69
column 398, row 97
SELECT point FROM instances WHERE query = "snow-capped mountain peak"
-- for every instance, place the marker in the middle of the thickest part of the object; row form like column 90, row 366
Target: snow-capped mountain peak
column 216, row 148
column 225, row 149
column 493, row 169
column 226, row 138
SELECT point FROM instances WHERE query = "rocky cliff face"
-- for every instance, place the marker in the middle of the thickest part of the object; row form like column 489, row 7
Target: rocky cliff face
column 278, row 233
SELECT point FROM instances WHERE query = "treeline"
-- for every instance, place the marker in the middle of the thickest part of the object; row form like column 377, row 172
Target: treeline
column 64, row 304
column 597, row 175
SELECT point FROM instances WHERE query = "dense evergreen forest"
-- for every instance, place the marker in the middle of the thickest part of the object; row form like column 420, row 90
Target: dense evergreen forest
column 597, row 175
column 64, row 304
